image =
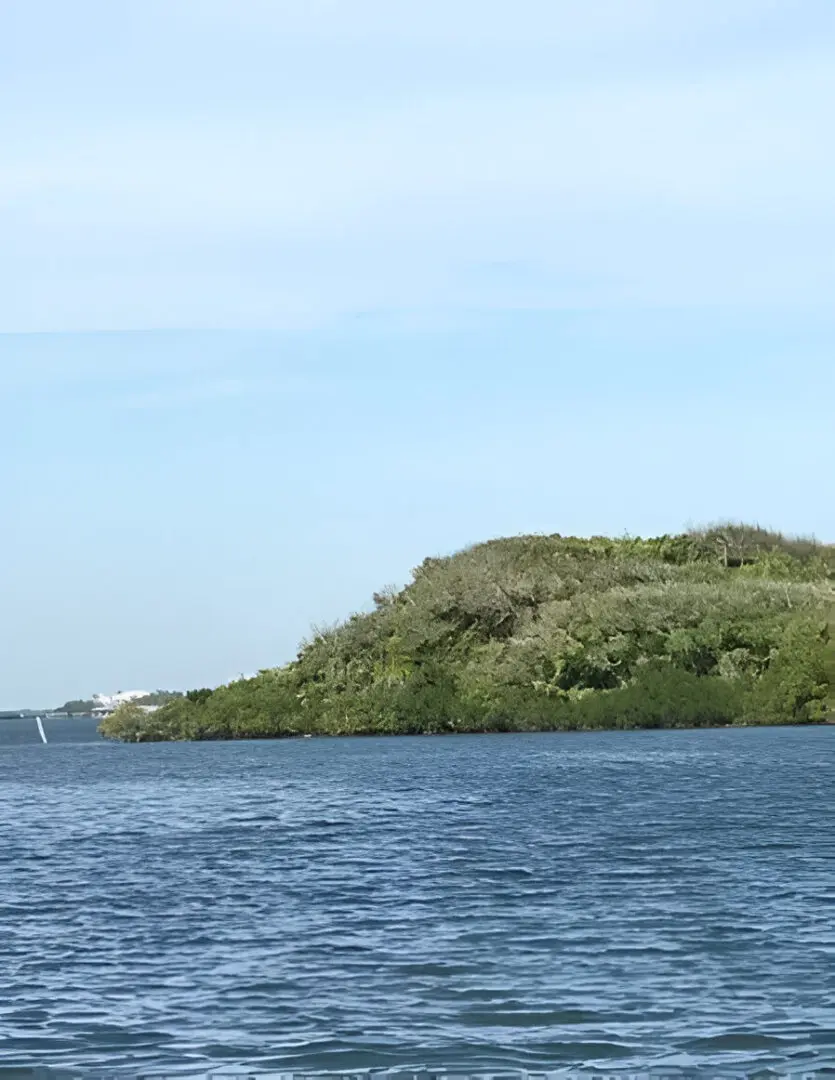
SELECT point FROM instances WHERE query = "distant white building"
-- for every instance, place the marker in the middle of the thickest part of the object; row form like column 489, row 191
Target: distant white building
column 106, row 703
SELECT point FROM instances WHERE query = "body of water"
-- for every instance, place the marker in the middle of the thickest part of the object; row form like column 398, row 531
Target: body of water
column 615, row 900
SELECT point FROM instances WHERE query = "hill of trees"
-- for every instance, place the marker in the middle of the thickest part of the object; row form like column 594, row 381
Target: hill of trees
column 728, row 624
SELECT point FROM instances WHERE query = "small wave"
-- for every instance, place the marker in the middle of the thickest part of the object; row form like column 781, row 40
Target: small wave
column 737, row 1040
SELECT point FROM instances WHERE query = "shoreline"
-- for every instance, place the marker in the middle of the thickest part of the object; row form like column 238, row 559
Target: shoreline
column 829, row 722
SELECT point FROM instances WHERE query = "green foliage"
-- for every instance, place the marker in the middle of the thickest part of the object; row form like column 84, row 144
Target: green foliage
column 795, row 685
column 159, row 697
column 829, row 665
column 720, row 625
column 659, row 696
column 129, row 722
column 199, row 697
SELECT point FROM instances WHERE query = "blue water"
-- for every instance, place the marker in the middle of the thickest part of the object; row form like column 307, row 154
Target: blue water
column 617, row 900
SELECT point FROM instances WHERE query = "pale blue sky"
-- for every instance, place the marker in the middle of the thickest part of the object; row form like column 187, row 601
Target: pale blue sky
column 293, row 294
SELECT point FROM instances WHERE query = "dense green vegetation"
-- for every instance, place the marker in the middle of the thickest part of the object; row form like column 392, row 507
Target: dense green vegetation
column 159, row 697
column 724, row 625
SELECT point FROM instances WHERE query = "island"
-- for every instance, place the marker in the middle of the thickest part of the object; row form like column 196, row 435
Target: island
column 724, row 625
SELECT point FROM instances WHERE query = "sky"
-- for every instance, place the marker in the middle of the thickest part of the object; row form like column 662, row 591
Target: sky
column 294, row 293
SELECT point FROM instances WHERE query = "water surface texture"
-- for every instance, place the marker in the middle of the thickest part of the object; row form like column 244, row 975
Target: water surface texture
column 618, row 900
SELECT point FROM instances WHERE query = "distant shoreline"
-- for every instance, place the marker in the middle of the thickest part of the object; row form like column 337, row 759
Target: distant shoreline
column 45, row 714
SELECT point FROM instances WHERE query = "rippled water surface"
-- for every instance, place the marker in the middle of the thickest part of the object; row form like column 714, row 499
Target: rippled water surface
column 619, row 900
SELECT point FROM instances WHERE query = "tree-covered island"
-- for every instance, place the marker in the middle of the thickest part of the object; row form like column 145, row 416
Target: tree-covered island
column 724, row 625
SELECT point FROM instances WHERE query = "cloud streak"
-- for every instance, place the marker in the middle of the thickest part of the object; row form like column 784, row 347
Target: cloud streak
column 658, row 155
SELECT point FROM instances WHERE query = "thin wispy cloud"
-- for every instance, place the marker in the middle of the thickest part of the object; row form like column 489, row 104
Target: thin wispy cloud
column 271, row 165
column 176, row 397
